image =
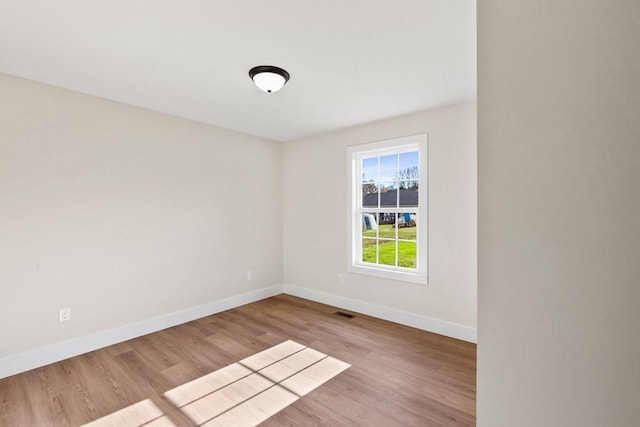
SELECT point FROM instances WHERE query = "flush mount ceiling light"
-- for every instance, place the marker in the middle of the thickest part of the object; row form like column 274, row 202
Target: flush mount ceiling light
column 269, row 78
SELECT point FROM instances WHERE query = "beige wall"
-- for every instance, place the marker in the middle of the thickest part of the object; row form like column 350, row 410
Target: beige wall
column 315, row 212
column 124, row 214
column 559, row 213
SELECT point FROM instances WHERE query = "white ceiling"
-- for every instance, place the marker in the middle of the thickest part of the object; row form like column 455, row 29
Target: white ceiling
column 351, row 61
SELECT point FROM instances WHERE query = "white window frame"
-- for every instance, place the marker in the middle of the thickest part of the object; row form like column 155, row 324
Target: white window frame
column 355, row 154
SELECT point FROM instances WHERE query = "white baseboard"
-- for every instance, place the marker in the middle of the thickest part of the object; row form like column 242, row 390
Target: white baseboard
column 442, row 327
column 22, row 362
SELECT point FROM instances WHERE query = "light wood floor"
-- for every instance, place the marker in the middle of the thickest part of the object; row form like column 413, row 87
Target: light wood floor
column 399, row 376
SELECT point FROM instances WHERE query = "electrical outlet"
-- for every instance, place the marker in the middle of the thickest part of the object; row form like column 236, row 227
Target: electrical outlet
column 340, row 279
column 250, row 275
column 65, row 315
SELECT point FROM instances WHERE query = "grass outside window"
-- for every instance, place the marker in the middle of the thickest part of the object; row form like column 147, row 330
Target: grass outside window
column 386, row 249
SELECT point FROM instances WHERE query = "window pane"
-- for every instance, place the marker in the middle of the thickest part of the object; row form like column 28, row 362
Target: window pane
column 386, row 218
column 369, row 250
column 389, row 194
column 387, row 225
column 408, row 175
column 409, row 197
column 407, row 254
column 388, row 168
column 407, row 226
column 387, row 252
column 406, row 221
column 409, row 164
column 369, row 225
column 369, row 195
column 370, row 169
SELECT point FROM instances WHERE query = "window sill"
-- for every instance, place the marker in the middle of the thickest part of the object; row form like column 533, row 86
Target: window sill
column 404, row 276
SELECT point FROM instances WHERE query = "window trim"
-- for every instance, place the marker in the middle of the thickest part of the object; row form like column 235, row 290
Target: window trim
column 354, row 222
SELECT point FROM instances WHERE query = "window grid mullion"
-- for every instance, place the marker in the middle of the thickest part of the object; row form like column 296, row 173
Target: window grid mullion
column 377, row 214
column 397, row 220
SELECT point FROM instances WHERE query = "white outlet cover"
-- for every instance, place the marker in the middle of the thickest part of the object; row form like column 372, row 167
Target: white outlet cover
column 65, row 314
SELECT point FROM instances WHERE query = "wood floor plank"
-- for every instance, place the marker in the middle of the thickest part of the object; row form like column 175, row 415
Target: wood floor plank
column 399, row 376
column 135, row 415
column 13, row 394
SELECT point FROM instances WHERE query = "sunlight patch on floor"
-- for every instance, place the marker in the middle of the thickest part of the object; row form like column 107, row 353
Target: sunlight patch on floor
column 241, row 394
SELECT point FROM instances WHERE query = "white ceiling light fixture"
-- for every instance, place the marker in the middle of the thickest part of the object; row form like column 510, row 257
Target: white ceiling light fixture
column 269, row 78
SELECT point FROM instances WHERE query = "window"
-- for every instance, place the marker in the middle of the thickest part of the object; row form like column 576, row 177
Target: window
column 387, row 214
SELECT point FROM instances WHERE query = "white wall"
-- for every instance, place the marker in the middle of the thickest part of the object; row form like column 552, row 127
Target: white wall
column 124, row 214
column 315, row 240
column 559, row 213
